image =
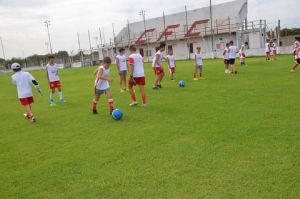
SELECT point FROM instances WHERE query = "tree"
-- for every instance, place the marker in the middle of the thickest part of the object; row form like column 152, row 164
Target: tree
column 289, row 31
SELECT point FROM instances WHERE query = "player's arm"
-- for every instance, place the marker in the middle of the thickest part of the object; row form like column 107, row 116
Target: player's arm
column 165, row 58
column 34, row 82
column 224, row 52
column 100, row 75
column 168, row 60
column 96, row 72
column 118, row 64
column 156, row 59
column 13, row 81
column 237, row 50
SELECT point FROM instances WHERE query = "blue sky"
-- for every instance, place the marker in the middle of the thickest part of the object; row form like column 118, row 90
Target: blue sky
column 22, row 22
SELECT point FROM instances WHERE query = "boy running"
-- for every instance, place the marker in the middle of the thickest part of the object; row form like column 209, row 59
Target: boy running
column 102, row 86
column 232, row 56
column 53, row 79
column 137, row 75
column 157, row 66
column 22, row 81
column 122, row 68
column 242, row 53
column 267, row 49
column 198, row 64
column 226, row 58
column 297, row 57
column 171, row 63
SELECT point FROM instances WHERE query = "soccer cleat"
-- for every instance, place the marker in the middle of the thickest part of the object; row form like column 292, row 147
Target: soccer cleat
column 201, row 78
column 110, row 112
column 122, row 91
column 26, row 115
column 159, row 86
column 144, row 105
column 196, row 79
column 51, row 101
column 52, row 104
column 62, row 101
column 155, row 88
column 32, row 119
column 292, row 71
column 133, row 103
column 235, row 72
column 95, row 112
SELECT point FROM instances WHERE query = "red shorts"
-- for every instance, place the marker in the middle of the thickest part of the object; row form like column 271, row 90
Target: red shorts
column 158, row 70
column 294, row 52
column 267, row 53
column 138, row 81
column 172, row 70
column 226, row 61
column 242, row 55
column 55, row 84
column 26, row 101
column 274, row 51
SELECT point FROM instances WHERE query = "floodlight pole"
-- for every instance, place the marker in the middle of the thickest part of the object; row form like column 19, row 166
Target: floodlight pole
column 47, row 23
column 188, row 33
column 143, row 13
column 47, row 47
column 211, row 27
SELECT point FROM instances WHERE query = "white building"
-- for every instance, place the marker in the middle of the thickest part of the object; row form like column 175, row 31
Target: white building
column 185, row 30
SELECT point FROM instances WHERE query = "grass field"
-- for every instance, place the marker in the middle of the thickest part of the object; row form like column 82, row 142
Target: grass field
column 228, row 136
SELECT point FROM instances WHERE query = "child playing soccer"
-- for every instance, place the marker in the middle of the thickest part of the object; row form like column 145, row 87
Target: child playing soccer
column 232, row 56
column 171, row 64
column 137, row 75
column 242, row 53
column 274, row 46
column 22, row 81
column 297, row 57
column 267, row 49
column 296, row 45
column 157, row 66
column 226, row 58
column 122, row 68
column 102, row 86
column 53, row 79
column 198, row 63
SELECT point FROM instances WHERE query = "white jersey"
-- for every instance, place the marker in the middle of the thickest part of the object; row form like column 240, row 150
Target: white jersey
column 159, row 59
column 274, row 46
column 171, row 59
column 296, row 44
column 136, row 60
column 267, row 47
column 226, row 55
column 298, row 53
column 22, row 80
column 198, row 59
column 52, row 72
column 122, row 62
column 232, row 52
column 102, row 84
column 242, row 50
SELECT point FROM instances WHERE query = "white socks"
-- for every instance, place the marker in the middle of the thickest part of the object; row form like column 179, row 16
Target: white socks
column 60, row 95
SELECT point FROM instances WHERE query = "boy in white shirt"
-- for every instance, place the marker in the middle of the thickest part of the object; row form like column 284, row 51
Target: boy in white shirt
column 171, row 64
column 102, row 85
column 122, row 68
column 22, row 81
column 232, row 56
column 198, row 63
column 226, row 58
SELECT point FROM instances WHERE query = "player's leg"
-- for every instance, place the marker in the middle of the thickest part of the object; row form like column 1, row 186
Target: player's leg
column 110, row 101
column 26, row 103
column 61, row 99
column 157, row 74
column 143, row 92
column 124, row 81
column 132, row 94
column 162, row 74
column 95, row 101
column 195, row 73
column 274, row 54
column 201, row 72
column 295, row 66
column 121, row 82
column 52, row 91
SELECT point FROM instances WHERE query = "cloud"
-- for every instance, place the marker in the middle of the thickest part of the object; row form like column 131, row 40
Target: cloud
column 22, row 22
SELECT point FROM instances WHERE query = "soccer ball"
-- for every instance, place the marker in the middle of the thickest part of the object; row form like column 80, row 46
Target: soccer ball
column 181, row 83
column 117, row 114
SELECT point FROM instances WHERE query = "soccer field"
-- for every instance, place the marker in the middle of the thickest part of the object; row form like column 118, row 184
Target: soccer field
column 228, row 136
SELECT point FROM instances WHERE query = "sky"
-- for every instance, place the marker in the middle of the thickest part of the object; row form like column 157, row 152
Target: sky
column 24, row 33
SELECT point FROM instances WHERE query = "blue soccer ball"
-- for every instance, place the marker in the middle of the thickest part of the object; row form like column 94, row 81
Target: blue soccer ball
column 117, row 114
column 181, row 83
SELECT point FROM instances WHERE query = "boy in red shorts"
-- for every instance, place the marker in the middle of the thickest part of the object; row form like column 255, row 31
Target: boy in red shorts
column 137, row 75
column 22, row 81
column 53, row 79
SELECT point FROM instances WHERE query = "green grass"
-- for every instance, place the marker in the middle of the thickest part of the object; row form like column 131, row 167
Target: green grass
column 228, row 136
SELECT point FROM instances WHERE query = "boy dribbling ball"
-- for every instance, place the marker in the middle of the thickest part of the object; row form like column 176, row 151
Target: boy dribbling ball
column 22, row 81
column 102, row 85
